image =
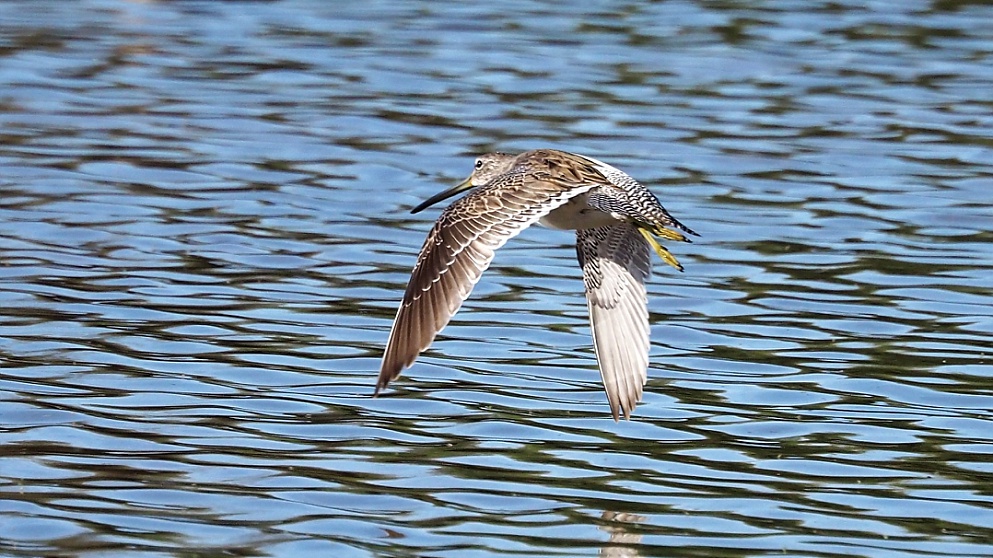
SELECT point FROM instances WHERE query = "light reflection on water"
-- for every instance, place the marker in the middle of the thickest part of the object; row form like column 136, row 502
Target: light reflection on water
column 204, row 236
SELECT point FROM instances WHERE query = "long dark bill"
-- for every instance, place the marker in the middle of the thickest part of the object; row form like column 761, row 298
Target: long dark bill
column 460, row 187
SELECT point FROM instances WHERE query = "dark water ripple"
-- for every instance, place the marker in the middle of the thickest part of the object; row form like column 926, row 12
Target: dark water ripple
column 204, row 236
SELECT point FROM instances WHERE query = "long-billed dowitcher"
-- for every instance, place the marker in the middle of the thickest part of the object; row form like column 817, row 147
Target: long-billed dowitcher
column 616, row 221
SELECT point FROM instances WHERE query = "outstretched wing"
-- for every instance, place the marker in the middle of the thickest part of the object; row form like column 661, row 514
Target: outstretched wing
column 616, row 262
column 459, row 248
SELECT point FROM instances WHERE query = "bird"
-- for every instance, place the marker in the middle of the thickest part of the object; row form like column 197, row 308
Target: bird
column 616, row 220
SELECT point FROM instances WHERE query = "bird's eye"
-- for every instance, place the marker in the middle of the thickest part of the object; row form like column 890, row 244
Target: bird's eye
column 479, row 164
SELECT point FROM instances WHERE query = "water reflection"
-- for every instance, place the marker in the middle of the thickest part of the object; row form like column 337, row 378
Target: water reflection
column 623, row 543
column 204, row 235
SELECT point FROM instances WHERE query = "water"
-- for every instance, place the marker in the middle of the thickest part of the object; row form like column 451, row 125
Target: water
column 204, row 235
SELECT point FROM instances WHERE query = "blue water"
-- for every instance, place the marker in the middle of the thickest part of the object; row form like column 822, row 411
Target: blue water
column 204, row 237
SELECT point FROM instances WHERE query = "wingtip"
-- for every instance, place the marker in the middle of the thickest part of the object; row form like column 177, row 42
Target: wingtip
column 384, row 380
column 627, row 415
column 615, row 412
column 621, row 408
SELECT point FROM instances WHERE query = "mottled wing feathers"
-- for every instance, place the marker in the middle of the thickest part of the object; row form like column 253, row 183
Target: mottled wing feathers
column 461, row 246
column 628, row 198
column 616, row 263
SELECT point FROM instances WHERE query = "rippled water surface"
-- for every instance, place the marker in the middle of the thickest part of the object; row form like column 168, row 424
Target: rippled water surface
column 204, row 236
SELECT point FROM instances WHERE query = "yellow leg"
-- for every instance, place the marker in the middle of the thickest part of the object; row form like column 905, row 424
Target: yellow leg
column 659, row 249
column 670, row 235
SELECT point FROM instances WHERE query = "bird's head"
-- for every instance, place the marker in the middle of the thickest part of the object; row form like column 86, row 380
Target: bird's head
column 487, row 168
